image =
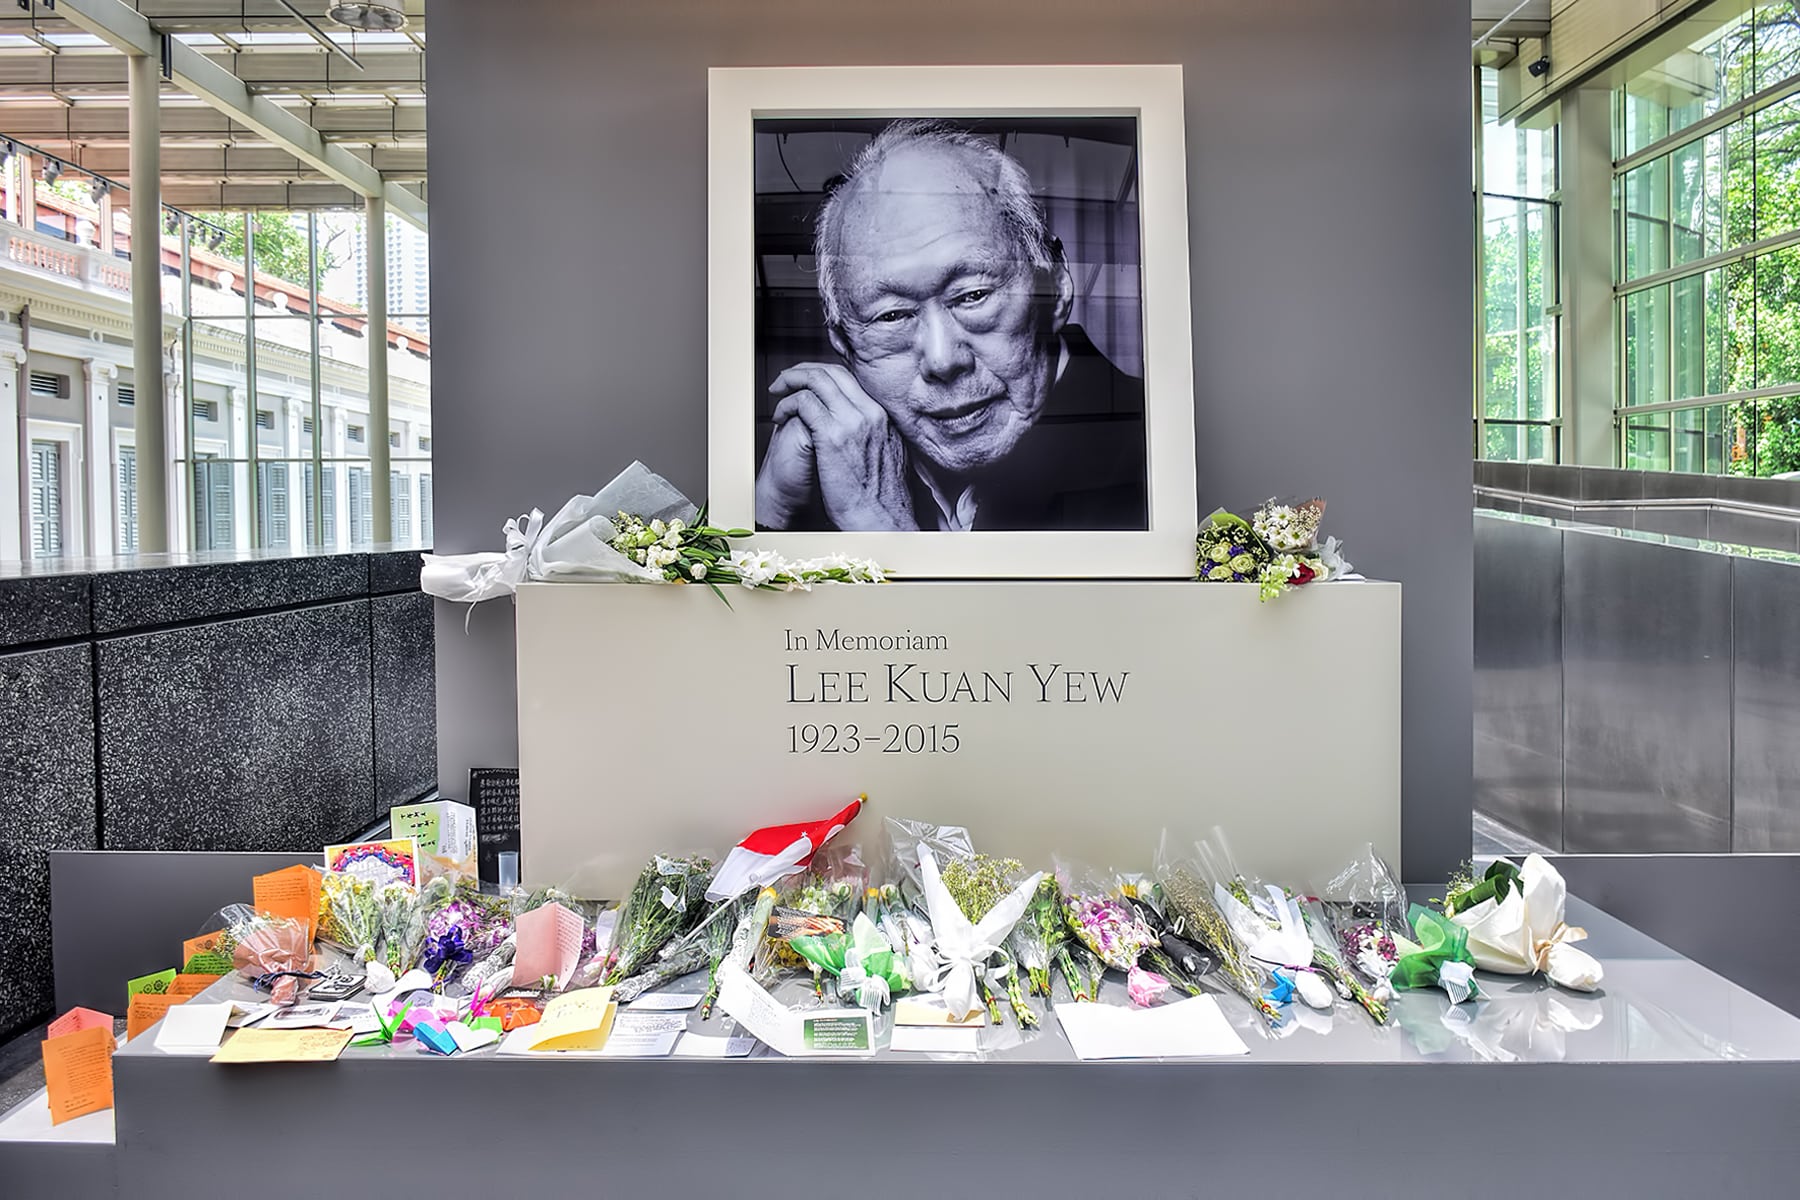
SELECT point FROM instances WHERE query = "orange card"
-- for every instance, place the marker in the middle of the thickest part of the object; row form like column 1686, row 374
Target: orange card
column 147, row 1009
column 201, row 944
column 77, row 1019
column 188, row 986
column 78, row 1073
column 290, row 892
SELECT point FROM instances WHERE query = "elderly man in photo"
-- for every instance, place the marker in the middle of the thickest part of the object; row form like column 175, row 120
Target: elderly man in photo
column 963, row 398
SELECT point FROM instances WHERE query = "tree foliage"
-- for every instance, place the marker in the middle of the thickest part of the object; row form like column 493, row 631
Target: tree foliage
column 278, row 244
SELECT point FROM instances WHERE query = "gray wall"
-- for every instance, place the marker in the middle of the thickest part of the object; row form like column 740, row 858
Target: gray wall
column 1635, row 696
column 266, row 704
column 1328, row 150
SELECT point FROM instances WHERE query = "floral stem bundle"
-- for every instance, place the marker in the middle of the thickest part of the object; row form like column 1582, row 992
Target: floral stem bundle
column 1275, row 549
column 1039, row 935
column 1190, row 901
column 665, row 902
column 702, row 553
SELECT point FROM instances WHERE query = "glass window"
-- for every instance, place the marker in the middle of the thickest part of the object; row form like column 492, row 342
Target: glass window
column 127, row 500
column 362, row 519
column 272, row 504
column 1701, row 339
column 46, row 486
column 1517, row 401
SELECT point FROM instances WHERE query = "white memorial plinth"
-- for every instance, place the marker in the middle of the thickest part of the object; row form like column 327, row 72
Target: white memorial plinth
column 1067, row 719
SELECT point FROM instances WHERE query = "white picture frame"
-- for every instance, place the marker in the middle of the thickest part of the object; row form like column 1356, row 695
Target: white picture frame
column 1153, row 95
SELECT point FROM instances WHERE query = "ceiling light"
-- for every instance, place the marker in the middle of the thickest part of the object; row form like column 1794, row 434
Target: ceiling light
column 100, row 189
column 369, row 18
column 52, row 170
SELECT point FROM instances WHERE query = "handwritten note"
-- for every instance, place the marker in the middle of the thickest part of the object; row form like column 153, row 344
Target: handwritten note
column 146, row 1010
column 78, row 1073
column 192, row 985
column 549, row 940
column 77, row 1019
column 283, row 1045
column 155, row 984
column 201, row 944
column 578, row 1020
column 290, row 892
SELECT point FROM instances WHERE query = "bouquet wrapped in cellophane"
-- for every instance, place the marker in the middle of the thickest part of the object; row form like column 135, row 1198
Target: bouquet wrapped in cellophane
column 1267, row 918
column 978, row 883
column 1110, row 927
column 273, row 953
column 668, row 899
column 1187, row 901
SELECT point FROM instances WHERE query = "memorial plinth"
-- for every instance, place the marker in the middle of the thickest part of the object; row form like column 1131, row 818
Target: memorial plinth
column 1051, row 719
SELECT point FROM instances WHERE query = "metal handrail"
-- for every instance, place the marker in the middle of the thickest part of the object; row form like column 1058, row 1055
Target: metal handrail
column 1775, row 512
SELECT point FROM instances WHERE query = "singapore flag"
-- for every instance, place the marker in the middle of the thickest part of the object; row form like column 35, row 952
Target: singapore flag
column 776, row 852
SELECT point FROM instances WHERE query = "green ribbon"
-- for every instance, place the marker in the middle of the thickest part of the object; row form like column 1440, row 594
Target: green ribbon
column 1501, row 877
column 1440, row 940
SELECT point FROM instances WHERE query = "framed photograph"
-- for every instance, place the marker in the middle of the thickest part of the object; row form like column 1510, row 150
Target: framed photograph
column 949, row 318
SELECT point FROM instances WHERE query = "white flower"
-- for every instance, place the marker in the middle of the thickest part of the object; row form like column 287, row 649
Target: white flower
column 672, row 539
column 754, row 567
column 677, row 525
column 641, row 557
column 658, row 528
column 698, row 570
column 1332, row 555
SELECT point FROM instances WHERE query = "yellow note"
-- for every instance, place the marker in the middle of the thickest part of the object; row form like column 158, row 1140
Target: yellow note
column 578, row 1020
column 283, row 1045
column 291, row 892
column 78, row 1073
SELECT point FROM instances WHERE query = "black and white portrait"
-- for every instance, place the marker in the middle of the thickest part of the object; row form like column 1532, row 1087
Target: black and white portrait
column 949, row 328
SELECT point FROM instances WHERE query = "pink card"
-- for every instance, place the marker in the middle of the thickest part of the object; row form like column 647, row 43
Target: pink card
column 77, row 1019
column 549, row 941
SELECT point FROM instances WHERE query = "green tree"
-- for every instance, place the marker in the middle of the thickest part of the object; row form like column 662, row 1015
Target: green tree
column 278, row 244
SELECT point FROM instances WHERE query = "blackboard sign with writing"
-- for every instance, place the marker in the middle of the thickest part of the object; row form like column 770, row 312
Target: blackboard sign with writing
column 494, row 793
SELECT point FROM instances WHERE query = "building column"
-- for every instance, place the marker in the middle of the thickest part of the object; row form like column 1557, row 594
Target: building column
column 96, row 456
column 15, row 505
column 380, row 494
column 1589, row 365
column 27, row 191
column 152, row 413
column 240, row 435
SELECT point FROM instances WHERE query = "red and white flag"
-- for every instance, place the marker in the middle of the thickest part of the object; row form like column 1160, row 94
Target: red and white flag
column 776, row 852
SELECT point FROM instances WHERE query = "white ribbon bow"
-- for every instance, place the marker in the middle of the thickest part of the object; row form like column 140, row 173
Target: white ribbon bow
column 959, row 949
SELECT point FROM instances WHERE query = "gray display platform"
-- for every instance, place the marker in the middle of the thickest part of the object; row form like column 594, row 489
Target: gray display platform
column 1671, row 1081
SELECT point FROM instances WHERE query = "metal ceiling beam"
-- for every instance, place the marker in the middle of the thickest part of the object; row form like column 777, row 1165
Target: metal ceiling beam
column 128, row 31
column 318, row 35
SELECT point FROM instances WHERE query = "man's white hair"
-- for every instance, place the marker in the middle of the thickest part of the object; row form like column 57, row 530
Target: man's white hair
column 1019, row 210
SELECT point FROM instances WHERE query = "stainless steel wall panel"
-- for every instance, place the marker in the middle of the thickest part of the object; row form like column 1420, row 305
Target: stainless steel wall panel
column 1748, row 529
column 1611, row 483
column 1518, row 676
column 1647, row 684
column 1766, row 706
column 1674, row 522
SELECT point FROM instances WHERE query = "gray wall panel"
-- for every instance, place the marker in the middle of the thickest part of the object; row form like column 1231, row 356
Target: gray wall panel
column 1647, row 676
column 1326, row 145
column 104, row 890
column 46, row 803
column 1766, row 706
column 251, row 734
column 44, row 608
column 138, row 599
column 401, row 638
column 1518, row 676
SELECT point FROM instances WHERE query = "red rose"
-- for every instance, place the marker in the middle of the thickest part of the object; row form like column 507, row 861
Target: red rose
column 1305, row 575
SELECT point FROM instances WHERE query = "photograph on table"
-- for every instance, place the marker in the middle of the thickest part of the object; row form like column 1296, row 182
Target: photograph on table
column 950, row 317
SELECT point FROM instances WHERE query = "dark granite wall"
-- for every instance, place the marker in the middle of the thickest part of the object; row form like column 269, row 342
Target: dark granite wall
column 268, row 704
